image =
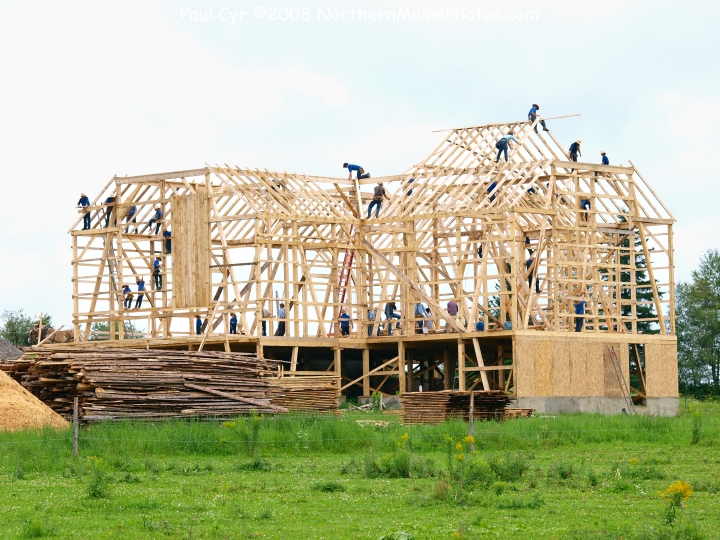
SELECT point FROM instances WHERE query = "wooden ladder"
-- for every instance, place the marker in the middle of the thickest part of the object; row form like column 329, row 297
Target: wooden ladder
column 621, row 380
column 344, row 279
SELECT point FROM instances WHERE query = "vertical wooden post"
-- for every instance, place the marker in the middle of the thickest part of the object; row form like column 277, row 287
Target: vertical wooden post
column 471, row 420
column 365, row 369
column 448, row 370
column 401, row 367
column 75, row 427
column 338, row 366
column 410, row 377
column 461, row 365
column 40, row 329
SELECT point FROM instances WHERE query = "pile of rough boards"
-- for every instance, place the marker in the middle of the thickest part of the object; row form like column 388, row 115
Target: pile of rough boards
column 154, row 384
column 435, row 407
column 19, row 409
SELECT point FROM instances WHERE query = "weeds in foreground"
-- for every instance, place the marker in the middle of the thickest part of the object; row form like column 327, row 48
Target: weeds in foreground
column 674, row 497
column 329, row 486
column 99, row 486
column 247, row 430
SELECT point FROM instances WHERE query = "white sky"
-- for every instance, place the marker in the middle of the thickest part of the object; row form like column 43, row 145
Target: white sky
column 93, row 89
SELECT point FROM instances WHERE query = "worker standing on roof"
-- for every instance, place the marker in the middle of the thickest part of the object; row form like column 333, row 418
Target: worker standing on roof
column 281, row 324
column 233, row 323
column 390, row 314
column 198, row 324
column 533, row 115
column 575, row 150
column 502, row 145
column 127, row 303
column 157, row 273
column 360, row 172
column 585, row 205
column 419, row 314
column 141, row 288
column 605, row 160
column 131, row 216
column 377, row 200
column 157, row 218
column 84, row 203
column 452, row 309
column 345, row 322
column 108, row 211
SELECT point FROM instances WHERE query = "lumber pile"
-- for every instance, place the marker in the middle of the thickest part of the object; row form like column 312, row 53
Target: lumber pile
column 307, row 393
column 150, row 384
column 436, row 407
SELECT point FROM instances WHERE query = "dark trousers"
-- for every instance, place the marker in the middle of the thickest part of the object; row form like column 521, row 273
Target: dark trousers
column 86, row 221
column 574, row 157
column 157, row 228
column 377, row 203
column 389, row 321
column 280, row 329
column 138, row 302
column 131, row 219
column 370, row 329
column 537, row 283
column 233, row 328
column 128, row 302
column 542, row 123
column 502, row 148
column 344, row 330
column 579, row 323
column 264, row 328
column 168, row 247
column 108, row 214
column 158, row 280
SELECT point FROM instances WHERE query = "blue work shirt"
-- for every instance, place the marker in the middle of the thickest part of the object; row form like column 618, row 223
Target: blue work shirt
column 141, row 285
column 110, row 200
column 167, row 234
column 585, row 204
column 198, row 325
column 528, row 263
column 508, row 138
column 492, row 186
column 533, row 113
column 233, row 320
column 281, row 313
column 605, row 160
column 84, row 201
column 345, row 323
column 126, row 289
column 580, row 307
column 132, row 211
column 352, row 167
column 158, row 214
column 156, row 264
column 574, row 147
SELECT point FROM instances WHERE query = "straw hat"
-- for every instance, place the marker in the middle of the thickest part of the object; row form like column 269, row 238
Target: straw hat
column 536, row 105
column 602, row 152
column 579, row 141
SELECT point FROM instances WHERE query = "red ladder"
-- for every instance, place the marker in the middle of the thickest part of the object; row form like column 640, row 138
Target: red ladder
column 344, row 278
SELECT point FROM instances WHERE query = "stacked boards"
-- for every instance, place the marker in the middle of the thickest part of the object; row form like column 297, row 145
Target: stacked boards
column 156, row 384
column 436, row 407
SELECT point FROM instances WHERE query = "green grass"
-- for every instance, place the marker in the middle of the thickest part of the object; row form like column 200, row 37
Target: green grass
column 569, row 476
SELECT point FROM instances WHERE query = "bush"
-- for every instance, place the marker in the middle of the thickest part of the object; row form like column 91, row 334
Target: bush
column 257, row 464
column 509, row 468
column 561, row 470
column 329, row 487
column 516, row 503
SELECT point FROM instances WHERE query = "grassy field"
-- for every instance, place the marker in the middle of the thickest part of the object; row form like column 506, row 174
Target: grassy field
column 570, row 476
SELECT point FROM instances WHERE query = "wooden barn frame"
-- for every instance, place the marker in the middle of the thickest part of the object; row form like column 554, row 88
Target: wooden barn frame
column 459, row 225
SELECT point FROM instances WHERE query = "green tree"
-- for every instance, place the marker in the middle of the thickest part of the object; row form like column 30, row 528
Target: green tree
column 100, row 331
column 17, row 324
column 698, row 327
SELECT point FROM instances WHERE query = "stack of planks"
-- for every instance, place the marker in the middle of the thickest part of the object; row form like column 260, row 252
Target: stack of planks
column 307, row 393
column 150, row 384
column 436, row 407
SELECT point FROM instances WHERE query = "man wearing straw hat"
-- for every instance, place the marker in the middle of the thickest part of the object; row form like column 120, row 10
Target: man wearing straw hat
column 532, row 116
column 84, row 203
column 575, row 150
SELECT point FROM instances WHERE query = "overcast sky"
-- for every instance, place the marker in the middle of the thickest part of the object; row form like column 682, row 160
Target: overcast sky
column 93, row 89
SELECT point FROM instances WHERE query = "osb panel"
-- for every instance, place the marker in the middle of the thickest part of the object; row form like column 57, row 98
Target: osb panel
column 543, row 368
column 561, row 370
column 577, row 351
column 524, row 366
column 595, row 369
column 661, row 370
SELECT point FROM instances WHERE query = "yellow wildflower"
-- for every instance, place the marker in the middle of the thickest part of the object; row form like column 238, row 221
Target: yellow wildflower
column 679, row 491
column 405, row 437
column 460, row 457
column 458, row 447
column 469, row 439
column 634, row 461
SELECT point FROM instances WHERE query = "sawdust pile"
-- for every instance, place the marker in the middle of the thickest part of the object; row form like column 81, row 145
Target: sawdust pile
column 19, row 409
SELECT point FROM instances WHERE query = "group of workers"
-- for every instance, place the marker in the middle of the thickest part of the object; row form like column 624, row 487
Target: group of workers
column 128, row 294
column 130, row 217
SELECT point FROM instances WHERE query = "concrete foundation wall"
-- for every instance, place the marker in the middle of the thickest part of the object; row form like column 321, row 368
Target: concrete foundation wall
column 601, row 405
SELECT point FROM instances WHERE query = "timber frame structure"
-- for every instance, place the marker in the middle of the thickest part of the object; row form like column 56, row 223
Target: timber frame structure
column 458, row 226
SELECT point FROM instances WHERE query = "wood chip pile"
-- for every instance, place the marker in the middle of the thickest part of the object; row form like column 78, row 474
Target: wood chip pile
column 156, row 384
column 436, row 407
column 19, row 409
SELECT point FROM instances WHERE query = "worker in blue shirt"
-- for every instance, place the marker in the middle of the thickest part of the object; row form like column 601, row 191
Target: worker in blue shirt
column 532, row 266
column 281, row 323
column 157, row 273
column 532, row 116
column 157, row 217
column 419, row 314
column 345, row 322
column 168, row 242
column 84, row 203
column 233, row 323
column 127, row 303
column 198, row 324
column 390, row 314
column 605, row 160
column 585, row 205
column 411, row 189
column 359, row 171
column 108, row 210
column 131, row 217
column 579, row 310
column 502, row 145
column 141, row 288
column 490, row 191
column 575, row 150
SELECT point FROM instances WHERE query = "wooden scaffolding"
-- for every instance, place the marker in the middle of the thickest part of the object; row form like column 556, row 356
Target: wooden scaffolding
column 516, row 244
